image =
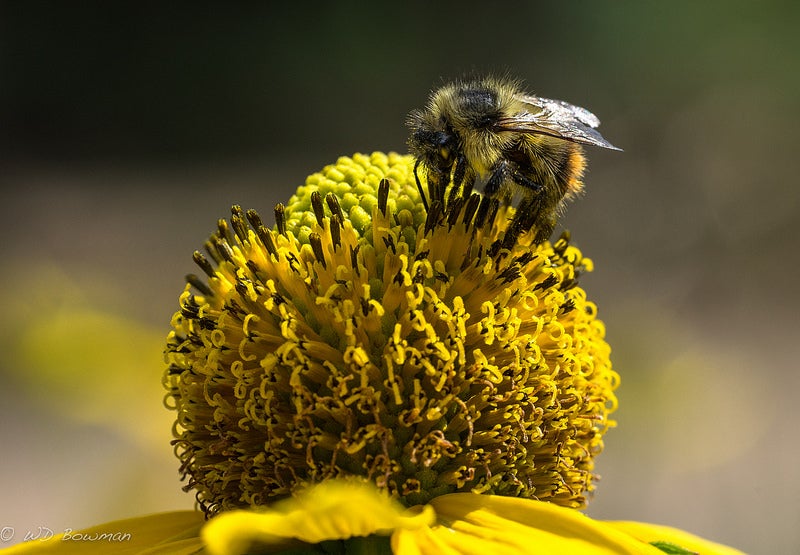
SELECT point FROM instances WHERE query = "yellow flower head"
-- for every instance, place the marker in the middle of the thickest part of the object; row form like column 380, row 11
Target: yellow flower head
column 365, row 336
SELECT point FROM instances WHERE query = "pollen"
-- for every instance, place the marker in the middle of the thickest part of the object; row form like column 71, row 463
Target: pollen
column 365, row 336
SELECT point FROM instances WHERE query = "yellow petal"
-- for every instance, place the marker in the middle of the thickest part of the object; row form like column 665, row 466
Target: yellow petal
column 328, row 511
column 655, row 533
column 421, row 541
column 174, row 533
column 477, row 524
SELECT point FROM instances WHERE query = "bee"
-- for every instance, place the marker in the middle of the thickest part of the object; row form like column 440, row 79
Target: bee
column 490, row 129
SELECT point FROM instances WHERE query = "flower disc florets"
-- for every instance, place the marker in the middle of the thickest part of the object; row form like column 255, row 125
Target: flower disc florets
column 367, row 336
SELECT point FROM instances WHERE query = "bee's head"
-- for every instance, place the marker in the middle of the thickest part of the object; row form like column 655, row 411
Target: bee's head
column 432, row 141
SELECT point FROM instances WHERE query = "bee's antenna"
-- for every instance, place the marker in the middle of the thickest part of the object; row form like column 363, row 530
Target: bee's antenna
column 419, row 185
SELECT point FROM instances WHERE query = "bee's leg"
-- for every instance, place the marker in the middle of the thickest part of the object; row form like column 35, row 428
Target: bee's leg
column 458, row 179
column 546, row 223
column 529, row 211
column 499, row 175
column 538, row 215
column 523, row 220
column 438, row 180
column 460, row 171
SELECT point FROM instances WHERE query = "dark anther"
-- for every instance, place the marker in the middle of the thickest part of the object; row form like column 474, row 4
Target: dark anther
column 333, row 204
column 389, row 242
column 280, row 218
column 472, row 206
column 336, row 231
column 567, row 284
column 255, row 270
column 224, row 249
column 211, row 249
column 174, row 370
column 383, row 195
column 254, row 219
column 548, row 282
column 195, row 282
column 510, row 274
column 434, row 216
column 316, row 246
column 366, row 308
column 224, row 231
column 266, row 237
column 453, row 210
column 483, row 211
column 232, row 306
column 294, row 263
column 568, row 306
column 524, row 258
column 494, row 206
column 494, row 248
column 354, row 258
column 467, row 255
column 319, row 209
column 561, row 245
column 241, row 288
column 190, row 308
column 238, row 224
column 203, row 262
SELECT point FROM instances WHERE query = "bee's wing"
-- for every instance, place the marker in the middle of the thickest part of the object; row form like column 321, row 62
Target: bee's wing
column 557, row 119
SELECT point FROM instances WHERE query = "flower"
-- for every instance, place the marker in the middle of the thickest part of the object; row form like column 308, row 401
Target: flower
column 377, row 339
column 377, row 374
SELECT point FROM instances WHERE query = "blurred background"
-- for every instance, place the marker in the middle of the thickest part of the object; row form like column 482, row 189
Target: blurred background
column 127, row 130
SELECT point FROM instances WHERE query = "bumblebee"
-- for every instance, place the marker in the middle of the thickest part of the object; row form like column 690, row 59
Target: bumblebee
column 491, row 130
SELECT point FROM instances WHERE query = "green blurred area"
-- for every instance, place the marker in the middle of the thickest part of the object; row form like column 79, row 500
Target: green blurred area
column 127, row 130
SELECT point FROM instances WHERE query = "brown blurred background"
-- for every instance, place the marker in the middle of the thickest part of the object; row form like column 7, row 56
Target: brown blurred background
column 127, row 131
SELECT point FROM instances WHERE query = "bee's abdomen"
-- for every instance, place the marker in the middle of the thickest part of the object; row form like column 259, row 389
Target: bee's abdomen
column 557, row 164
column 573, row 165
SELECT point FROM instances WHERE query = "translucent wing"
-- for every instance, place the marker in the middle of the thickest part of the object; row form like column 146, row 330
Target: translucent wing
column 555, row 118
